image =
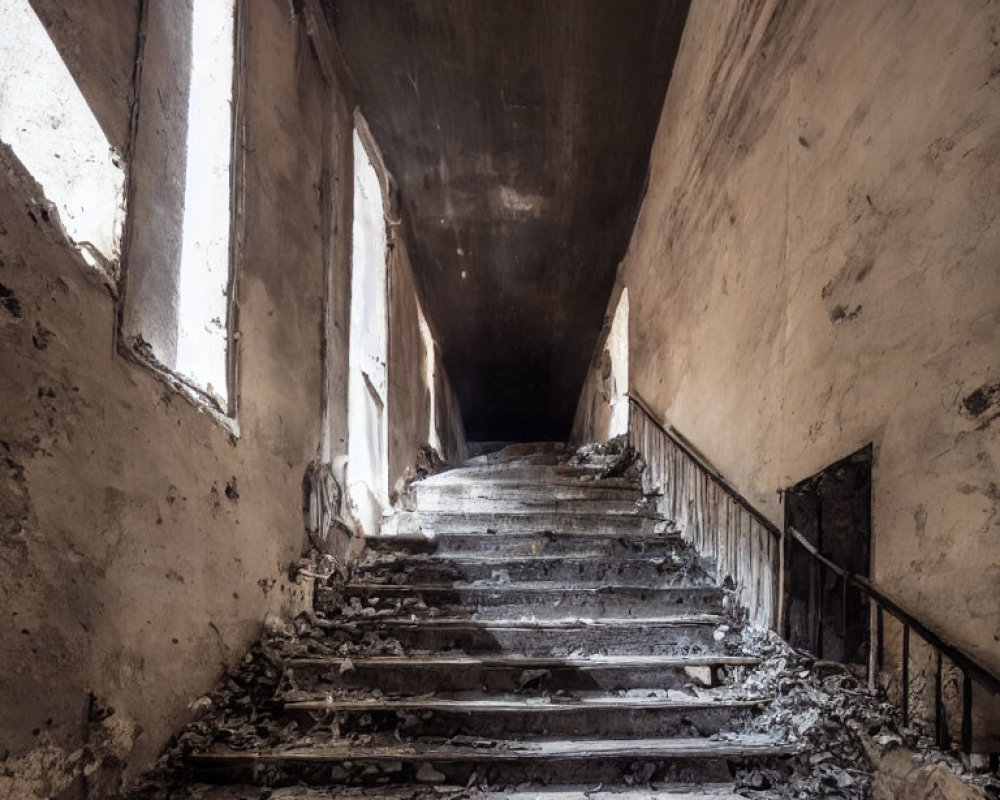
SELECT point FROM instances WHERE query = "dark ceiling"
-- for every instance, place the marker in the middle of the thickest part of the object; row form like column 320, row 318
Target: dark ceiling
column 519, row 133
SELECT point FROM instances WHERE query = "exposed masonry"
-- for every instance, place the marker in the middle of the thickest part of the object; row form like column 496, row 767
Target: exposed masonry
column 534, row 631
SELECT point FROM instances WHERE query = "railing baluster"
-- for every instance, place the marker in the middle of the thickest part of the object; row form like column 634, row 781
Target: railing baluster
column 940, row 724
column 880, row 639
column 966, row 712
column 820, row 607
column 906, row 674
column 758, row 556
column 843, row 616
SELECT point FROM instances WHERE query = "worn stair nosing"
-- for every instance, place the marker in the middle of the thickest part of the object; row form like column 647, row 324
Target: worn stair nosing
column 423, row 559
column 525, row 705
column 566, row 623
column 526, row 587
column 671, row 536
column 711, row 791
column 494, row 750
column 532, row 662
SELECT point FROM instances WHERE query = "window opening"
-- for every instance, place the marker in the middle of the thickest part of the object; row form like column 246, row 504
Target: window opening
column 368, row 462
column 203, row 295
column 46, row 121
column 180, row 271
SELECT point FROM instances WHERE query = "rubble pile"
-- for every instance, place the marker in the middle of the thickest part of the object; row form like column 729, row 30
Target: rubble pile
column 845, row 727
column 625, row 462
column 524, row 635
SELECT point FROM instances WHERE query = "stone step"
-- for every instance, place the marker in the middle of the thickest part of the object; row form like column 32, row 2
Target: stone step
column 682, row 633
column 705, row 791
column 534, row 493
column 539, row 600
column 530, row 543
column 611, row 503
column 678, row 569
column 585, row 715
column 508, row 673
column 531, row 471
column 563, row 521
column 490, row 760
column 527, row 478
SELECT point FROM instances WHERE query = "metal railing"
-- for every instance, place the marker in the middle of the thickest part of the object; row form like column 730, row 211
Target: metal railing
column 716, row 519
column 754, row 553
column 972, row 673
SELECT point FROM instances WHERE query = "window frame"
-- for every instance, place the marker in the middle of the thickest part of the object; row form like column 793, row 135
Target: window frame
column 137, row 351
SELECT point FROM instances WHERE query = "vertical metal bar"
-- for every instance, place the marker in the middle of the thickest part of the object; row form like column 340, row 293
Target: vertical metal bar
column 820, row 594
column 940, row 726
column 782, row 627
column 843, row 617
column 966, row 712
column 820, row 616
column 813, row 570
column 906, row 674
column 872, row 665
column 880, row 639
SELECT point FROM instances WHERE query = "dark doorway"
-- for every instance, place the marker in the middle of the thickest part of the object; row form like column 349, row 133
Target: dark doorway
column 832, row 509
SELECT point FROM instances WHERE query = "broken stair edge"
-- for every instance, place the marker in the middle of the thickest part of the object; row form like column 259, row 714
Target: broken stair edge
column 597, row 661
column 527, row 704
column 743, row 746
column 444, row 792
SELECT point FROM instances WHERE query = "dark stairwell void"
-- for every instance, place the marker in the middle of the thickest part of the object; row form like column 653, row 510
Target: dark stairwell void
column 519, row 133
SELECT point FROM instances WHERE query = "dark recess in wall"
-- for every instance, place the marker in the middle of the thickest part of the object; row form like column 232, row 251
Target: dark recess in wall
column 832, row 509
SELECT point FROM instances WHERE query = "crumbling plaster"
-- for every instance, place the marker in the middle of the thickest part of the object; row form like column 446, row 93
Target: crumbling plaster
column 141, row 544
column 815, row 267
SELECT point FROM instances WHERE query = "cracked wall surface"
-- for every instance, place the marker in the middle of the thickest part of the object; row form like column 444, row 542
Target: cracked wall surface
column 141, row 545
column 815, row 267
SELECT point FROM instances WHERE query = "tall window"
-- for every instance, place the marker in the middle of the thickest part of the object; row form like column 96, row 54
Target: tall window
column 203, row 292
column 179, row 271
column 47, row 123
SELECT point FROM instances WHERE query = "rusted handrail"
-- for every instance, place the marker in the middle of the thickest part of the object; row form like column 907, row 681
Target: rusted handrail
column 721, row 522
column 972, row 670
column 707, row 468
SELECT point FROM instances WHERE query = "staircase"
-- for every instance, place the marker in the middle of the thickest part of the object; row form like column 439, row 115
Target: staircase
column 533, row 631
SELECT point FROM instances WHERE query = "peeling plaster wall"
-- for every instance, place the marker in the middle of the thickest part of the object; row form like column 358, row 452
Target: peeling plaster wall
column 815, row 267
column 141, row 547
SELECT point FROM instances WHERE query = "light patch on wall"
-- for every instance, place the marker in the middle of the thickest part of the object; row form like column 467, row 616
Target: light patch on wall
column 512, row 200
column 430, row 378
column 618, row 348
column 203, row 288
column 46, row 121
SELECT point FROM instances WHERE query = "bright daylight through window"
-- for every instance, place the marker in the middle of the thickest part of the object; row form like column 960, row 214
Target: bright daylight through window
column 203, row 288
column 46, row 121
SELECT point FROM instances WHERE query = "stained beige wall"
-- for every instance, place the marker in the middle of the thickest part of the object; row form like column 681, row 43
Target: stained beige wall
column 141, row 545
column 815, row 266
